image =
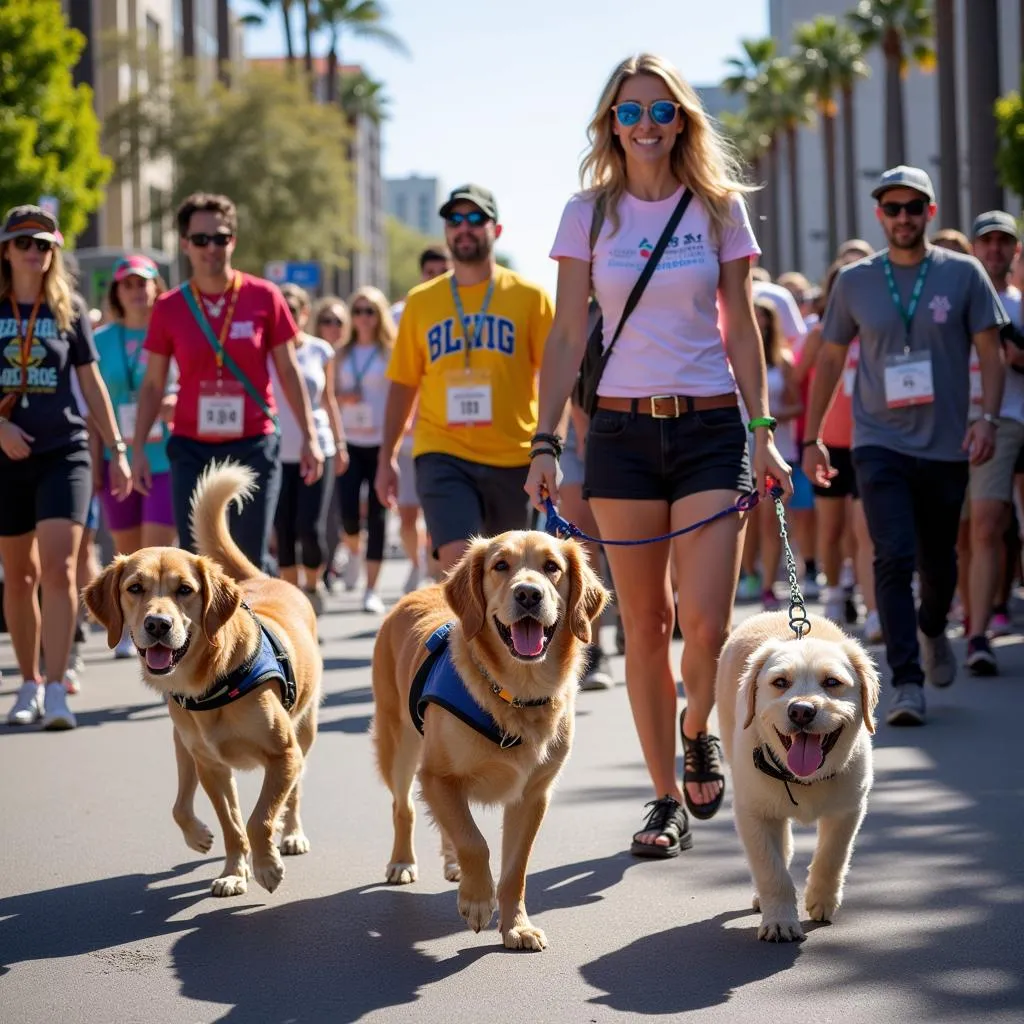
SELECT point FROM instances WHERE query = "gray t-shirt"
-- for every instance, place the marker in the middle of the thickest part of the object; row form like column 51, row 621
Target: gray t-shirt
column 957, row 301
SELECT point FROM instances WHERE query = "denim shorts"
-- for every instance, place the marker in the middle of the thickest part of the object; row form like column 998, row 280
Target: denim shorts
column 635, row 456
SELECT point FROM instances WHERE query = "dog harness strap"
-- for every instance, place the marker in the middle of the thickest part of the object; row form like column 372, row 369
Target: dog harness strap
column 438, row 682
column 765, row 762
column 269, row 662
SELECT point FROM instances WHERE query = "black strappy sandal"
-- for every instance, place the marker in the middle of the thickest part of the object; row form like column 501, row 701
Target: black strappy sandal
column 702, row 760
column 668, row 818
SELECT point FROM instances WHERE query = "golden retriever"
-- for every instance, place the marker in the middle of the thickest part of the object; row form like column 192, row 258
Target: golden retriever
column 522, row 604
column 797, row 717
column 185, row 614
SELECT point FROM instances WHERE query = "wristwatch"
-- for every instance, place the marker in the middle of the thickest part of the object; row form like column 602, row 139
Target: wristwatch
column 990, row 418
column 120, row 447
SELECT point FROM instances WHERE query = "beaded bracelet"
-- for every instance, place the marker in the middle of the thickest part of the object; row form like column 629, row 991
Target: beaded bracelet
column 545, row 451
column 552, row 439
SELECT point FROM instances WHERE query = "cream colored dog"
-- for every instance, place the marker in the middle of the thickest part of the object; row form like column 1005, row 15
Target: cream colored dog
column 797, row 719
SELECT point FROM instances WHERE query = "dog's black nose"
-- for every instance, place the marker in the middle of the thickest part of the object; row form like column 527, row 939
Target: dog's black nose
column 527, row 596
column 158, row 626
column 802, row 713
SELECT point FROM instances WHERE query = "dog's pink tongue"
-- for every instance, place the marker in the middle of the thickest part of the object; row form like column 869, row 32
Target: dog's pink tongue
column 805, row 756
column 528, row 637
column 158, row 657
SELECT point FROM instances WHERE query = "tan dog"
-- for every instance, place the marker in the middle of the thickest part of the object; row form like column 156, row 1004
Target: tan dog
column 797, row 718
column 523, row 604
column 186, row 617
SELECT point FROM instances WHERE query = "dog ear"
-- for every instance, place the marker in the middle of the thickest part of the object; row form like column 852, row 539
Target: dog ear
column 867, row 675
column 464, row 589
column 103, row 599
column 221, row 597
column 753, row 668
column 587, row 594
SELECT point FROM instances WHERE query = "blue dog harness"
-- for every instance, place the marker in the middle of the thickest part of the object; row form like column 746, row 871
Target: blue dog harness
column 270, row 661
column 438, row 682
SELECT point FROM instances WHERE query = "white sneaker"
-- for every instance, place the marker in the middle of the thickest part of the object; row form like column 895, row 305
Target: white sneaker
column 76, row 663
column 835, row 604
column 372, row 603
column 125, row 647
column 57, row 714
column 872, row 628
column 350, row 574
column 28, row 705
column 413, row 580
column 72, row 681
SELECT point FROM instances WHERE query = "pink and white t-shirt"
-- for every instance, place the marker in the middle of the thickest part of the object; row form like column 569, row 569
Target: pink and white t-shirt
column 671, row 343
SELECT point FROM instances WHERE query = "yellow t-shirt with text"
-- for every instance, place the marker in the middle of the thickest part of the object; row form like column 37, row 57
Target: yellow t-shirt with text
column 429, row 355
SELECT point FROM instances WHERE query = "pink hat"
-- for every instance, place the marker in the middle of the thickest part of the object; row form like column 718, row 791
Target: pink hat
column 137, row 265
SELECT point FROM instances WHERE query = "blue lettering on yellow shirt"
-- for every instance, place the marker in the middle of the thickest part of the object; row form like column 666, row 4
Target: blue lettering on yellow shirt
column 494, row 333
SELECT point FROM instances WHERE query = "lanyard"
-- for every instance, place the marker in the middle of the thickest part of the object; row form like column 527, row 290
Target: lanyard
column 130, row 364
column 236, row 287
column 470, row 338
column 25, row 338
column 906, row 314
column 358, row 373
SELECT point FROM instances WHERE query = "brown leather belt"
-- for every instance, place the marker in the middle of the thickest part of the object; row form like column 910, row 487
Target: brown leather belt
column 666, row 407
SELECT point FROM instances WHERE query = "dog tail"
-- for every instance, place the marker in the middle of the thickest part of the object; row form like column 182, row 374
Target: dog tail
column 221, row 484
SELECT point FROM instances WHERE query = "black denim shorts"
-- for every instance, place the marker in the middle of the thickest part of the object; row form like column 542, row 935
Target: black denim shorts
column 632, row 455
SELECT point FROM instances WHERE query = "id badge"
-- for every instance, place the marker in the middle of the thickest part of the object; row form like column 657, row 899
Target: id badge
column 357, row 418
column 221, row 409
column 908, row 380
column 469, row 399
column 127, row 414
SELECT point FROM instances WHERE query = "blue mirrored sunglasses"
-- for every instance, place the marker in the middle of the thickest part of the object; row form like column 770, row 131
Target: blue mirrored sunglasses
column 630, row 112
column 474, row 218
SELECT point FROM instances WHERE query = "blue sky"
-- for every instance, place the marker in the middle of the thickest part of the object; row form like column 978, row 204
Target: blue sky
column 501, row 93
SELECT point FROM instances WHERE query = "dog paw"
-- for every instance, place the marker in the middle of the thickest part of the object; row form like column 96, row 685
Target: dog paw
column 268, row 872
column 525, row 937
column 780, row 930
column 198, row 837
column 229, row 885
column 452, row 871
column 293, row 845
column 822, row 905
column 400, row 874
column 755, row 903
column 476, row 907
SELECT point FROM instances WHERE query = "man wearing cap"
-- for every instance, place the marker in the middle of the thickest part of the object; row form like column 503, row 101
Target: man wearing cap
column 469, row 345
column 994, row 241
column 917, row 310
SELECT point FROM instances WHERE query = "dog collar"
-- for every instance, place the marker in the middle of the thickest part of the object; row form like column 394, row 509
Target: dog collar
column 766, row 763
column 501, row 693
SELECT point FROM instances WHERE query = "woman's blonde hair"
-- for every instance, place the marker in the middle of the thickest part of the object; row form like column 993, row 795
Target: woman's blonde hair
column 56, row 287
column 701, row 157
column 386, row 329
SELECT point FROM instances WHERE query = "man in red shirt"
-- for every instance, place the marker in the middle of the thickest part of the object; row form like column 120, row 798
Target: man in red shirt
column 219, row 327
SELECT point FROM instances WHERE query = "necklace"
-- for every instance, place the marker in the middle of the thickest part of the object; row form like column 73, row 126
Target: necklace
column 214, row 307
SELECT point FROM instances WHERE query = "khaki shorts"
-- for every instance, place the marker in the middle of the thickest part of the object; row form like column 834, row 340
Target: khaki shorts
column 993, row 480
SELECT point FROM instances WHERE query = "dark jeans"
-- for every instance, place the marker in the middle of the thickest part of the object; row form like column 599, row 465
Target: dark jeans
column 251, row 527
column 913, row 508
column 362, row 468
column 301, row 518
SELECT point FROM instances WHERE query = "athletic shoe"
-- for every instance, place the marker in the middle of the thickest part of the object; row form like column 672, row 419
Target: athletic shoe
column 980, row 659
column 1000, row 624
column 28, row 705
column 125, row 647
column 317, row 598
column 811, row 591
column 372, row 603
column 596, row 672
column 413, row 580
column 749, row 588
column 57, row 713
column 76, row 663
column 872, row 628
column 908, row 706
column 835, row 604
column 73, row 681
column 937, row 659
column 350, row 573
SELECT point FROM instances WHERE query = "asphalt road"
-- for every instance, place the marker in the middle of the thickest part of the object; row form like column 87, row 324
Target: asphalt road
column 105, row 915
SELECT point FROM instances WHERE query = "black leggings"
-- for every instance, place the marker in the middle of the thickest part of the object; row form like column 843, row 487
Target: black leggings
column 301, row 518
column 362, row 468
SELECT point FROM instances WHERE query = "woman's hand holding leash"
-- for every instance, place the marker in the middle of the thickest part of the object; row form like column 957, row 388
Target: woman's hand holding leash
column 543, row 480
column 771, row 468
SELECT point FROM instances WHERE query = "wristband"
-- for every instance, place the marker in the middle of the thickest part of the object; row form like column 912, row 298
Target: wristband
column 810, row 444
column 763, row 421
column 552, row 439
column 545, row 451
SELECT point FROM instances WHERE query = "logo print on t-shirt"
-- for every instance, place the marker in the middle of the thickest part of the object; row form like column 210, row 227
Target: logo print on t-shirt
column 940, row 307
column 646, row 249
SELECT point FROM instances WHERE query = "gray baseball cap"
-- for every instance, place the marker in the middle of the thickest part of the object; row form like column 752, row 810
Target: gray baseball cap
column 477, row 194
column 905, row 177
column 995, row 220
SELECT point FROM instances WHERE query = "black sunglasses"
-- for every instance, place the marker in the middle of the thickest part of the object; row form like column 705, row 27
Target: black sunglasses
column 202, row 239
column 474, row 219
column 363, row 311
column 915, row 207
column 330, row 321
column 24, row 243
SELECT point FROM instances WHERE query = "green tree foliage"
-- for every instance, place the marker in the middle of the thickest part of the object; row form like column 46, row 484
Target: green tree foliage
column 278, row 155
column 49, row 134
column 404, row 247
column 1010, row 129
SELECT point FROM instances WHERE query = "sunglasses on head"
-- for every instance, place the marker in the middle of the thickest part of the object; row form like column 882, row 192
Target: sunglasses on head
column 202, row 239
column 25, row 242
column 915, row 207
column 363, row 311
column 475, row 218
column 660, row 111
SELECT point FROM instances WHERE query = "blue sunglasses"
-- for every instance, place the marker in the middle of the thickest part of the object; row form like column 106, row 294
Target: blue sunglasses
column 474, row 218
column 661, row 112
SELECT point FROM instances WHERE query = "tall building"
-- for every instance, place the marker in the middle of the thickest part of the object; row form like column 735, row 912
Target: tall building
column 414, row 201
column 921, row 106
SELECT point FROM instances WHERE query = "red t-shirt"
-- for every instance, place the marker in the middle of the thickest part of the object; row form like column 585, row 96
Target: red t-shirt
column 261, row 322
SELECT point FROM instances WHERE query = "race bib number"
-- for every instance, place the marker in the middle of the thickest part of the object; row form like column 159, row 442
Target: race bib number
column 127, row 414
column 221, row 410
column 908, row 380
column 357, row 418
column 469, row 401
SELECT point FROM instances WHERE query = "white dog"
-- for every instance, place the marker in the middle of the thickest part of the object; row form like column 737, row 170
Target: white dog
column 796, row 718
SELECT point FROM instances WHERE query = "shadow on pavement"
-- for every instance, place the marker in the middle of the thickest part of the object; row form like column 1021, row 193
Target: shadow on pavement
column 355, row 726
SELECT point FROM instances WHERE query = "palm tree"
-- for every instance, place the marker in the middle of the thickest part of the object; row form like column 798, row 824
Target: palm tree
column 981, row 28
column 830, row 58
column 949, row 141
column 850, row 65
column 362, row 96
column 309, row 23
column 363, row 19
column 284, row 7
column 903, row 29
column 751, row 142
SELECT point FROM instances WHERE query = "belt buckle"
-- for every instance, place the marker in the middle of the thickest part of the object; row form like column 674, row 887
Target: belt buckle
column 668, row 415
